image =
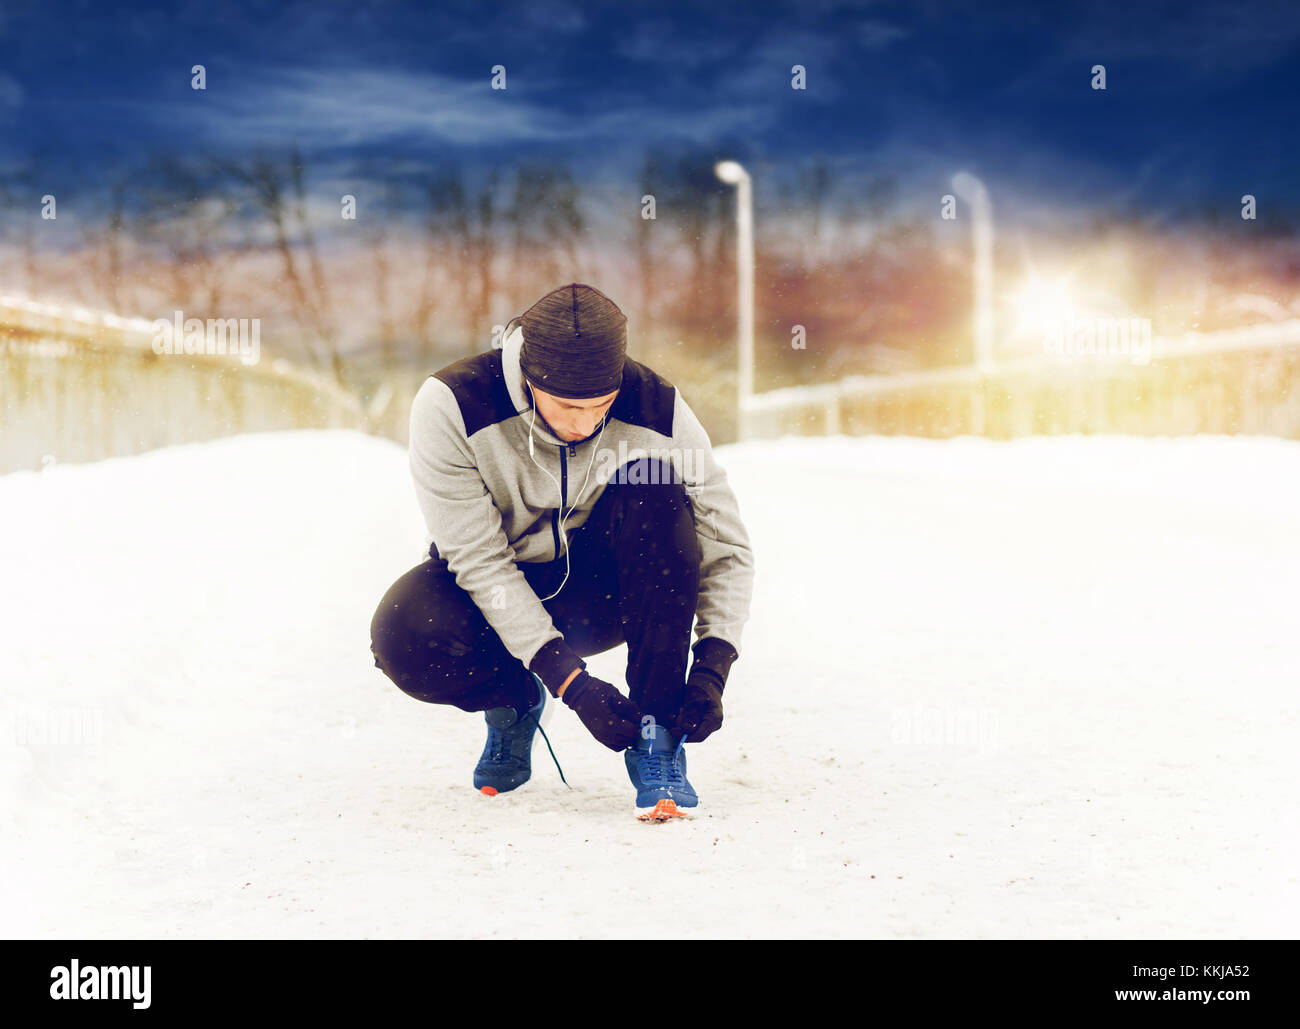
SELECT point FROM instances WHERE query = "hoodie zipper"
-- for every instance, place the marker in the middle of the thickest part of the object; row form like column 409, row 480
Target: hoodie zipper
column 564, row 497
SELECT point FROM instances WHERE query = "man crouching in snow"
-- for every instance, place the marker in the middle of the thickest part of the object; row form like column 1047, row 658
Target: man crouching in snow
column 536, row 562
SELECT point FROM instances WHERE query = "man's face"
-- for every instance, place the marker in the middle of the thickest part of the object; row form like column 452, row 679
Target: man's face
column 572, row 419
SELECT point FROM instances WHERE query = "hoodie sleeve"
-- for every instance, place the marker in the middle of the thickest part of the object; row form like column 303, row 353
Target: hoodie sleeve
column 466, row 527
column 727, row 569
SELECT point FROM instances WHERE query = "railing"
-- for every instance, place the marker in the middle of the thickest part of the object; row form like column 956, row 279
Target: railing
column 79, row 385
column 1243, row 381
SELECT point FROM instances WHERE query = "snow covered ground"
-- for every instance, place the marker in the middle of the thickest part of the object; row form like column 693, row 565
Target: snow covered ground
column 1040, row 688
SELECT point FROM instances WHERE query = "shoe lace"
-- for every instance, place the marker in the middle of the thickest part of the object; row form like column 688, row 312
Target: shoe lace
column 662, row 766
column 498, row 745
column 547, row 741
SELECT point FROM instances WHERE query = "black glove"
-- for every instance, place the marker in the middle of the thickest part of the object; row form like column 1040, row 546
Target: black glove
column 608, row 715
column 701, row 713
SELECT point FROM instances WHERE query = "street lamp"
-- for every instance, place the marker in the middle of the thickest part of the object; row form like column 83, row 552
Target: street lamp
column 972, row 190
column 733, row 174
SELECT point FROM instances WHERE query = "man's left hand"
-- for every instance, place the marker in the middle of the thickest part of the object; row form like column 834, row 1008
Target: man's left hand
column 701, row 713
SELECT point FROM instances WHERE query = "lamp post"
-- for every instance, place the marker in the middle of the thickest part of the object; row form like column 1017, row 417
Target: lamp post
column 972, row 190
column 733, row 174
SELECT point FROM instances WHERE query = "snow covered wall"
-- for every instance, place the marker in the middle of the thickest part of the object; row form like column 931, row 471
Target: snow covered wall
column 1038, row 688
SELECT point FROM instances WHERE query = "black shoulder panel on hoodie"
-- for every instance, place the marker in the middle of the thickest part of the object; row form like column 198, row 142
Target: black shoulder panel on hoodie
column 480, row 389
column 645, row 399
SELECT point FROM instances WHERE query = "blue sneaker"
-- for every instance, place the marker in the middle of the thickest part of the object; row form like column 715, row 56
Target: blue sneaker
column 506, row 763
column 657, row 768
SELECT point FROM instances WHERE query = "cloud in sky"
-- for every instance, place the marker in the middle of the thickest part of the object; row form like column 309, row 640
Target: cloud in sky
column 331, row 107
column 344, row 107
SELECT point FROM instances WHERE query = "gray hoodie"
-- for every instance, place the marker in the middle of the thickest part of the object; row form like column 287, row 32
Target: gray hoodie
column 488, row 503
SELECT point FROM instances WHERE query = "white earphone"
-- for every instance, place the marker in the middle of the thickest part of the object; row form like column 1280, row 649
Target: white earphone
column 533, row 402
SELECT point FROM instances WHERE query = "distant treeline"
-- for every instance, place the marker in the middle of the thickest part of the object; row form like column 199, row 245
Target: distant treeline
column 386, row 274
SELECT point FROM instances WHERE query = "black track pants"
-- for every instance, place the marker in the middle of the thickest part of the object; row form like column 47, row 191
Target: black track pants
column 634, row 578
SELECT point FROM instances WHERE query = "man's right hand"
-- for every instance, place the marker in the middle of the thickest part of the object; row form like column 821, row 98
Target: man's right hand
column 608, row 715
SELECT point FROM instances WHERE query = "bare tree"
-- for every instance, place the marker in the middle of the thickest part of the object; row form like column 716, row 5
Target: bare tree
column 447, row 227
column 277, row 190
column 646, row 236
column 378, row 242
column 698, row 206
column 103, row 245
column 483, row 251
column 20, row 195
column 187, row 213
column 321, row 299
column 462, row 226
column 546, row 226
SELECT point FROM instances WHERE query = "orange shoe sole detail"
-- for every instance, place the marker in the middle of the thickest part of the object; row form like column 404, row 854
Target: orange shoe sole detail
column 662, row 812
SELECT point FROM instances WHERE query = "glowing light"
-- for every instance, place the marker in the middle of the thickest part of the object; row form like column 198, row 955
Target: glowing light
column 1041, row 306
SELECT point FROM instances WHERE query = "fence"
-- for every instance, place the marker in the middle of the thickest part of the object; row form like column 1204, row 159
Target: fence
column 1246, row 381
column 78, row 385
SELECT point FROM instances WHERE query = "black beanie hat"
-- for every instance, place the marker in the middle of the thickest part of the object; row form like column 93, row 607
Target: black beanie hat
column 575, row 340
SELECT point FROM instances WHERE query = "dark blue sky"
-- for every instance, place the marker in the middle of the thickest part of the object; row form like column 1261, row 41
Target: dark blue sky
column 1200, row 105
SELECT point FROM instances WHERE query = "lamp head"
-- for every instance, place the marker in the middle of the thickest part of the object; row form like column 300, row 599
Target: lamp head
column 730, row 172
